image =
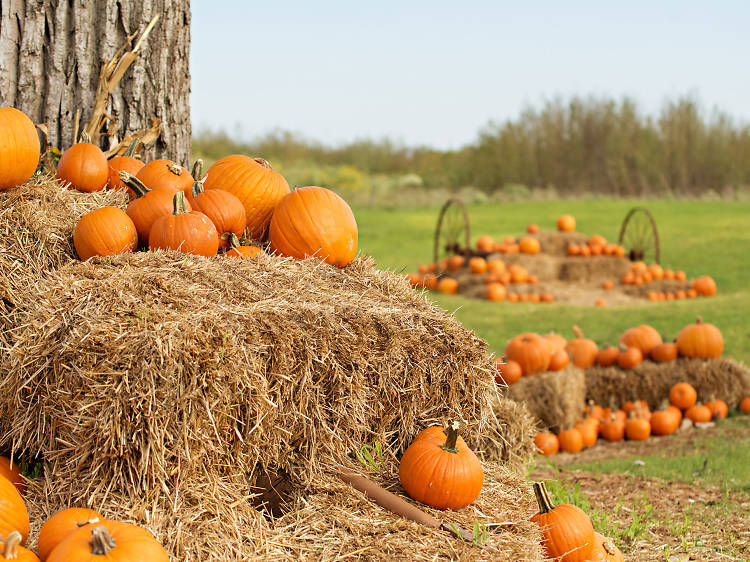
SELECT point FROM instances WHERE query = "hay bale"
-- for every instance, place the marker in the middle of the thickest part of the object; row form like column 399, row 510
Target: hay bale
column 593, row 268
column 555, row 398
column 721, row 378
column 546, row 267
column 662, row 285
column 509, row 436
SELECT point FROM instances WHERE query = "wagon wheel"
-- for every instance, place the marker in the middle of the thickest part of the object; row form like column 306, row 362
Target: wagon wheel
column 452, row 231
column 639, row 236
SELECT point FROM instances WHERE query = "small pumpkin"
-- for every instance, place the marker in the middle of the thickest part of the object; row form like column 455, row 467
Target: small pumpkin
column 448, row 286
column 559, row 360
column 125, row 163
column 555, row 341
column 745, row 405
column 478, row 265
column 612, row 428
column 589, row 432
column 637, row 428
column 84, row 167
column 485, row 243
column 496, row 266
column 607, row 356
column 664, row 352
column 582, row 351
column 518, row 273
column 12, row 472
column 224, row 210
column 704, row 286
column 698, row 413
column 12, row 549
column 529, row 245
column 683, row 395
column 243, row 252
column 314, row 221
column 531, row 351
column 700, row 340
column 593, row 410
column 604, row 550
column 644, row 337
column 629, row 357
column 189, row 232
column 104, row 232
column 61, row 524
column 112, row 541
column 19, row 148
column 509, row 372
column 571, row 440
column 664, row 422
column 608, row 285
column 13, row 514
column 495, row 292
column 566, row 223
column 532, row 228
column 546, row 443
column 165, row 174
column 567, row 532
column 719, row 409
column 438, row 469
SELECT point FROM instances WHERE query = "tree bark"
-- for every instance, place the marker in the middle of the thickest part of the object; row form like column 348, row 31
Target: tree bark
column 52, row 51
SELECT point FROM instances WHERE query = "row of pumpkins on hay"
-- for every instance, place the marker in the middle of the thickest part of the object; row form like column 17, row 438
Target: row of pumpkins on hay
column 173, row 209
column 530, row 353
column 70, row 535
column 635, row 421
column 642, row 274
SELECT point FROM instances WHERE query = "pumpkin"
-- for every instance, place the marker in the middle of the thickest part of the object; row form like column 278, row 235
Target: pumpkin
column 547, row 297
column 571, row 440
column 608, row 285
column 243, row 252
column 582, row 351
column 531, row 351
column 600, row 302
column 585, row 251
column 495, row 292
column 448, row 286
column 532, row 228
column 19, row 148
column 664, row 352
column 512, row 297
column 485, row 243
column 664, row 421
column 719, row 409
column 12, row 549
column 165, row 174
column 454, row 263
column 637, row 428
column 125, row 163
column 84, row 167
column 112, row 541
column 529, row 245
column 61, row 524
column 546, row 443
column 149, row 205
column 704, row 286
column 496, row 266
column 566, row 223
column 533, row 279
column 745, row 405
column 518, row 273
column 478, row 265
column 574, row 250
column 589, row 432
column 680, row 276
column 607, row 356
column 431, row 281
column 612, row 428
column 414, row 279
column 509, row 372
column 604, row 550
column 224, row 210
column 629, row 358
column 656, row 271
column 314, row 221
column 13, row 514
column 594, row 410
column 567, row 532
column 698, row 413
column 439, row 470
column 254, row 183
column 644, row 337
column 10, row 470
column 104, row 232
column 683, row 395
column 189, row 232
column 555, row 341
column 700, row 340
column 668, row 274
column 559, row 360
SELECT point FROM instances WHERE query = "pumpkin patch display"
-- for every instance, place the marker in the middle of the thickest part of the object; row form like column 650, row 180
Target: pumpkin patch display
column 84, row 167
column 438, row 469
column 567, row 532
column 19, row 148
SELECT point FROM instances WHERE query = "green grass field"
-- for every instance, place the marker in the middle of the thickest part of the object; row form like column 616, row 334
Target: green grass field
column 696, row 236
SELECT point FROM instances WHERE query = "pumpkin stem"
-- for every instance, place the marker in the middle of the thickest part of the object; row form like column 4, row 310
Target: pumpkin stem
column 233, row 240
column 577, row 331
column 197, row 188
column 174, row 168
column 89, row 522
column 133, row 183
column 542, row 498
column 452, row 433
column 130, row 152
column 178, row 203
column 197, row 169
column 85, row 137
column 10, row 550
column 699, row 320
column 263, row 163
column 101, row 542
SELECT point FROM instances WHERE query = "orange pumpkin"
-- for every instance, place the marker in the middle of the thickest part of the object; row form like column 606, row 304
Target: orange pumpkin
column 19, row 148
column 13, row 514
column 574, row 250
column 629, row 358
column 61, row 524
column 594, row 410
column 637, row 428
column 165, row 174
column 589, row 432
column 112, row 541
column 546, row 443
column 700, row 340
column 698, row 413
column 84, row 167
column 607, row 356
column 745, row 405
column 566, row 223
column 314, row 221
column 547, row 297
column 704, row 286
column 555, row 341
column 567, row 532
column 509, row 371
column 495, row 292
column 529, row 350
column 582, row 351
column 189, row 232
column 104, row 232
column 518, row 273
column 244, row 252
column 454, row 263
column 431, row 281
column 612, row 428
column 448, row 285
column 532, row 228
column 559, row 360
column 439, row 470
column 683, row 395
column 529, row 245
column 478, row 265
column 571, row 440
column 664, row 421
column 496, row 267
column 664, row 352
column 224, row 210
column 10, row 470
column 608, row 285
column 668, row 274
column 604, row 550
column 600, row 302
column 585, row 251
column 719, row 409
column 680, row 276
column 12, row 549
column 485, row 243
column 644, row 337
column 125, row 163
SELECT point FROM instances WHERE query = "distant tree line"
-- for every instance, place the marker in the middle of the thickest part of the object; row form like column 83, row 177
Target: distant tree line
column 584, row 145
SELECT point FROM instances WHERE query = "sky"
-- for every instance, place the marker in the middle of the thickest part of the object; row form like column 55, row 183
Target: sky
column 434, row 73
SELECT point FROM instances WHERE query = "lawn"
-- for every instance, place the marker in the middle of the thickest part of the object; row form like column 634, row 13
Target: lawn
column 699, row 237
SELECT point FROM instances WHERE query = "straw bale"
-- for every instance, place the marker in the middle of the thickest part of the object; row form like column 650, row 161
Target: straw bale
column 593, row 268
column 720, row 378
column 662, row 285
column 509, row 437
column 546, row 267
column 555, row 398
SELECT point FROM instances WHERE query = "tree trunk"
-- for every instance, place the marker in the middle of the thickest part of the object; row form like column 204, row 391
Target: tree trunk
column 52, row 51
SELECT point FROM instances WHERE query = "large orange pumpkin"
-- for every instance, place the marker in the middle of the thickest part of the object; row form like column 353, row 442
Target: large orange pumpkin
column 582, row 351
column 439, row 470
column 700, row 340
column 112, row 541
column 13, row 514
column 253, row 182
column 84, row 167
column 531, row 351
column 19, row 148
column 189, row 232
column 664, row 421
column 567, row 532
column 644, row 337
column 314, row 221
column 61, row 524
column 705, row 286
column 104, row 232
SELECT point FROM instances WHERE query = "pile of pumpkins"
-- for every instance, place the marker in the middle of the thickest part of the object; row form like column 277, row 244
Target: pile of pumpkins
column 642, row 274
column 635, row 421
column 172, row 208
column 596, row 245
column 530, row 353
column 69, row 535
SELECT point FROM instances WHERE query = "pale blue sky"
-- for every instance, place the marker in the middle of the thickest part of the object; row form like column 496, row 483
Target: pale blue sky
column 435, row 72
